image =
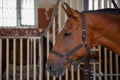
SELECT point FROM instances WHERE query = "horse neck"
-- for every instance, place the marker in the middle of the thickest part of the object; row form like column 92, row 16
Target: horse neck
column 102, row 32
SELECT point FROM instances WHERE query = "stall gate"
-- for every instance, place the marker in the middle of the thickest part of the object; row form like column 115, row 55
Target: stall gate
column 21, row 57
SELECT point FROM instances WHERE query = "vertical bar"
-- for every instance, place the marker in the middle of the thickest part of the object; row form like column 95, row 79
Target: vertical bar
column 14, row 59
column 40, row 59
column 48, row 75
column 82, row 5
column 99, row 4
column 94, row 70
column 111, row 68
column 86, row 5
column 54, row 29
column 117, row 66
column 28, row 60
column 105, row 62
column 105, row 3
column 19, row 12
column 100, row 52
column 66, row 74
column 54, row 78
column 78, row 5
column 64, row 18
column 7, row 60
column 0, row 59
column 21, row 59
column 31, row 55
column 72, row 72
column 71, row 3
column 118, row 3
column 60, row 77
column 110, row 3
column 36, row 13
column 78, row 72
column 34, row 55
column 59, row 17
column 93, row 5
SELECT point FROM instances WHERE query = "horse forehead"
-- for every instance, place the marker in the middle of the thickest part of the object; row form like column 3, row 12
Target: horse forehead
column 73, row 19
column 72, row 22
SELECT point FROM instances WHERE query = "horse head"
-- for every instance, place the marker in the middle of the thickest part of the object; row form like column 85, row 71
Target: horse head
column 64, row 52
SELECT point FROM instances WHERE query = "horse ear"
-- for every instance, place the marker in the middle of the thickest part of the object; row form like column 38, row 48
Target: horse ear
column 67, row 9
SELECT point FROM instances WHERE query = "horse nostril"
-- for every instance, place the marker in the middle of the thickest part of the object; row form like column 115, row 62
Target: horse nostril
column 48, row 67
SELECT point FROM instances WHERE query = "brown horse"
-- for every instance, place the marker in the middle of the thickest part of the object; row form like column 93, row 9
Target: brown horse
column 82, row 31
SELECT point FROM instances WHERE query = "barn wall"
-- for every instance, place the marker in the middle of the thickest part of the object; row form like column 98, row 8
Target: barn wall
column 98, row 63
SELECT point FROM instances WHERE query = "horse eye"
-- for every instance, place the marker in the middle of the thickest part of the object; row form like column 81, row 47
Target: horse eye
column 67, row 34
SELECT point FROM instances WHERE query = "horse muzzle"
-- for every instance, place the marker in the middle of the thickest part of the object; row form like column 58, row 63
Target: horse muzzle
column 55, row 68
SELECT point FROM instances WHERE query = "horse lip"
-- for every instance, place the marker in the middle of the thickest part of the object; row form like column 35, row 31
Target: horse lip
column 54, row 70
column 57, row 74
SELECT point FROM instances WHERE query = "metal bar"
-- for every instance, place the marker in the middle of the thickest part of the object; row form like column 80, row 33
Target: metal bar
column 34, row 55
column 105, row 62
column 99, row 4
column 28, row 58
column 59, row 17
column 99, row 65
column 35, row 13
column 78, row 5
column 93, row 7
column 71, row 3
column 40, row 59
column 111, row 74
column 14, row 59
column 1, row 59
column 60, row 77
column 111, row 64
column 66, row 74
column 72, row 72
column 48, row 75
column 18, row 4
column 118, row 1
column 21, row 59
column 31, row 55
column 110, row 3
column 105, row 3
column 7, row 60
column 54, row 78
column 19, row 37
column 54, row 30
column 94, row 77
column 117, row 66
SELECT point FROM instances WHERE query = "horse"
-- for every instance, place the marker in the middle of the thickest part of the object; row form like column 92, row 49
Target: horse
column 81, row 32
